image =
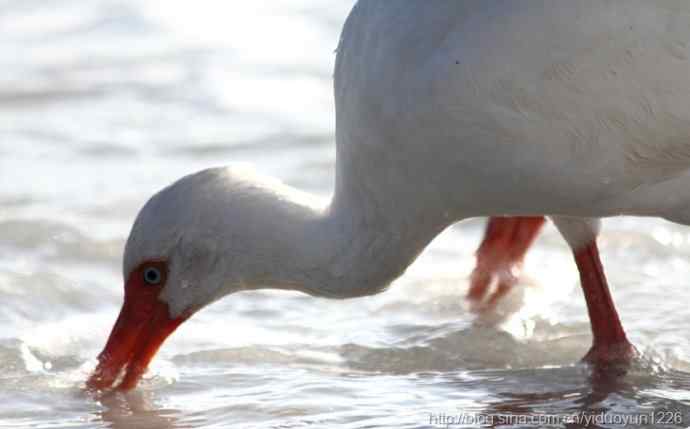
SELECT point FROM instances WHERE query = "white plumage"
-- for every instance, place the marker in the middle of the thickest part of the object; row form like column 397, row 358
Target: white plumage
column 448, row 110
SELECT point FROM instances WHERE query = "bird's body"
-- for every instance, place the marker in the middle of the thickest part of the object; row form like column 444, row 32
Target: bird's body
column 578, row 108
column 446, row 109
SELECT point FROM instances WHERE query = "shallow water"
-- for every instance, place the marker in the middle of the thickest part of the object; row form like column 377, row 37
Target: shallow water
column 104, row 102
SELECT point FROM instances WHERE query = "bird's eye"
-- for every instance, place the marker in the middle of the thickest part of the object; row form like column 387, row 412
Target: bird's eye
column 152, row 276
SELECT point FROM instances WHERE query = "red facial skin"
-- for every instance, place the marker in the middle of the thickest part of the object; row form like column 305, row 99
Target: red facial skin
column 142, row 326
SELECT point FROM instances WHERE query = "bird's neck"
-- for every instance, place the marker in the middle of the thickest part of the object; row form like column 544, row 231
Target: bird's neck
column 352, row 247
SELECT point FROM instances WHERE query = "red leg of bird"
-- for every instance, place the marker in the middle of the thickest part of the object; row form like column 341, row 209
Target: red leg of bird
column 500, row 256
column 610, row 344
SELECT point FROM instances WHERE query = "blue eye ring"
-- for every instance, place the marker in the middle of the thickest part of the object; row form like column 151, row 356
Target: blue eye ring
column 152, row 276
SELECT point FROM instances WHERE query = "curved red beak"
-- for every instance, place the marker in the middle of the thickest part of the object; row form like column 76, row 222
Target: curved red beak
column 142, row 326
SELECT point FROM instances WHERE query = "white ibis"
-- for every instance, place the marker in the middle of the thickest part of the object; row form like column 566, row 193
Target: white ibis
column 446, row 110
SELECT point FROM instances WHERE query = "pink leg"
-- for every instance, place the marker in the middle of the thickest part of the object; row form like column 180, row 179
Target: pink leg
column 500, row 256
column 610, row 344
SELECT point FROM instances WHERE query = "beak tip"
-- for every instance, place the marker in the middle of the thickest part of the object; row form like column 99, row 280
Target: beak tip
column 131, row 346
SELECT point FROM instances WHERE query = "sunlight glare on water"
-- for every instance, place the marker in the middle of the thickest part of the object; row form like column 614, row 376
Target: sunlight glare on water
column 104, row 102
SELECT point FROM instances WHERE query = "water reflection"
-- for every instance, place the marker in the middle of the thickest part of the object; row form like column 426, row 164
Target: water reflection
column 578, row 396
column 136, row 409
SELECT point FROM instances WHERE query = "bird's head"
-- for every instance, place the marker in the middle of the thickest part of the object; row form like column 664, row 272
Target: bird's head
column 192, row 243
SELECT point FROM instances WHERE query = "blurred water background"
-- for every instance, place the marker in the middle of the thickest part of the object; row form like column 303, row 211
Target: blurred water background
column 103, row 102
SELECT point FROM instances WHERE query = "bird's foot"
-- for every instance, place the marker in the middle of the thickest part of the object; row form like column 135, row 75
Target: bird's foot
column 499, row 259
column 488, row 287
column 611, row 356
